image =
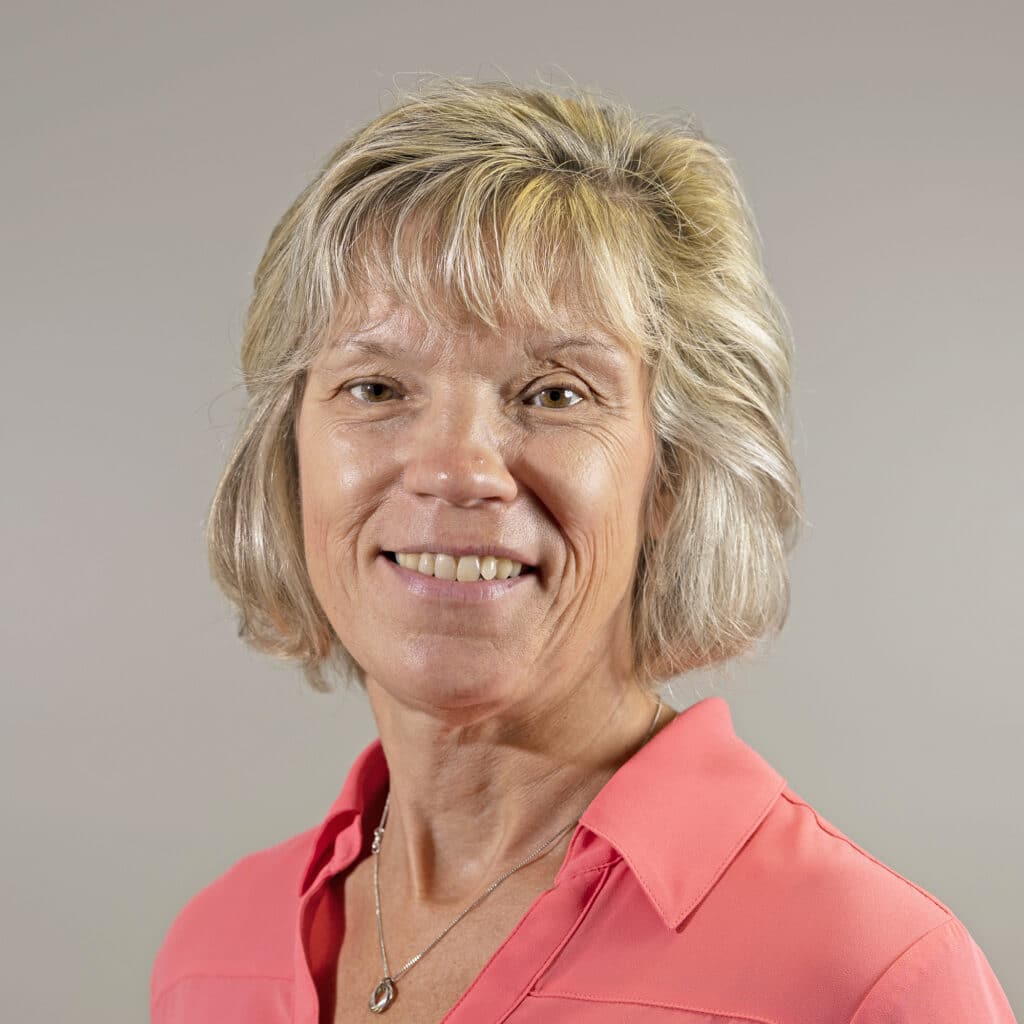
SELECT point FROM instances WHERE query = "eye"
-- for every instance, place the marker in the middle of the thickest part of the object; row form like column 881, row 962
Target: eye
column 561, row 390
column 370, row 384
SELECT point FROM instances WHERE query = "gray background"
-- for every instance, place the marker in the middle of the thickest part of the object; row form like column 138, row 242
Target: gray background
column 148, row 150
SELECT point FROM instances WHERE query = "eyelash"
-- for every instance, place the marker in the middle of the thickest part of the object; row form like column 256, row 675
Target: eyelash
column 550, row 387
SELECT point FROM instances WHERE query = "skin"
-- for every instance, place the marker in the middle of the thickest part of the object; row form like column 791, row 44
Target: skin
column 500, row 722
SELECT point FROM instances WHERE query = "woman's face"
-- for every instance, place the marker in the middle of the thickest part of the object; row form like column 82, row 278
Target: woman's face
column 475, row 440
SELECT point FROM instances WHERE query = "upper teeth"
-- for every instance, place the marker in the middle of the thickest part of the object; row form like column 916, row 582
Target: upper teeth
column 465, row 568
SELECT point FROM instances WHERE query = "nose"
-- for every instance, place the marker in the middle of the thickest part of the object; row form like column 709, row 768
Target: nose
column 457, row 452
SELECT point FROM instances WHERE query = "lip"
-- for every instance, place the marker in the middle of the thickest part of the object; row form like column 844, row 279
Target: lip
column 480, row 591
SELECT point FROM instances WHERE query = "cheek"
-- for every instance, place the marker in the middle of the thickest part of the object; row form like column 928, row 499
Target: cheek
column 316, row 506
column 329, row 462
column 595, row 487
column 343, row 481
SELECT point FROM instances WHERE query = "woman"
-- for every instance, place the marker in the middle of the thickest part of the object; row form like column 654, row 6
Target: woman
column 517, row 453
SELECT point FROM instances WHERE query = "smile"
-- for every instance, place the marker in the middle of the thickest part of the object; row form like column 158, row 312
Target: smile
column 464, row 568
column 458, row 591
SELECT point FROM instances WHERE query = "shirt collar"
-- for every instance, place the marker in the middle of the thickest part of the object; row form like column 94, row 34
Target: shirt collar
column 678, row 811
column 681, row 808
column 341, row 836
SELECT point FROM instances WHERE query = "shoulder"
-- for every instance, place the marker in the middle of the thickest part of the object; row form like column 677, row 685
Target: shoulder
column 944, row 977
column 240, row 924
column 814, row 851
column 789, row 921
column 841, row 920
column 832, row 893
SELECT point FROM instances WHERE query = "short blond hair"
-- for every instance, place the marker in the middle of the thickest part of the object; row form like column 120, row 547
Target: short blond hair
column 491, row 200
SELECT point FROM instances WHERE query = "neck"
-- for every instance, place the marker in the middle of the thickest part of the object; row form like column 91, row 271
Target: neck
column 472, row 795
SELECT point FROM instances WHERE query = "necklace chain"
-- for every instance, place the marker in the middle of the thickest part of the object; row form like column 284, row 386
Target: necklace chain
column 384, row 994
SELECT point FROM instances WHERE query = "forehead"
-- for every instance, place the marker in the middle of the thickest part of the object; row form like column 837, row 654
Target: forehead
column 379, row 324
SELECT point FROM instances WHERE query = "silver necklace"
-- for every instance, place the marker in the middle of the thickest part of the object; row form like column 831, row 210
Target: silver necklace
column 384, row 994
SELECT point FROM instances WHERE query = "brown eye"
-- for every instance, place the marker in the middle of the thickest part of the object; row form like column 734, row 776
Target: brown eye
column 560, row 391
column 375, row 384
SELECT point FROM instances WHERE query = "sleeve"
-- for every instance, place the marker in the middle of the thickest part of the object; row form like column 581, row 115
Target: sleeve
column 943, row 978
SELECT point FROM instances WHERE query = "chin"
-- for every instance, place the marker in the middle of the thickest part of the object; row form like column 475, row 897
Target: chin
column 452, row 692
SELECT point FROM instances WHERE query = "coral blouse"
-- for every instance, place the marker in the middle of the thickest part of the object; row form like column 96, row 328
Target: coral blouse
column 698, row 888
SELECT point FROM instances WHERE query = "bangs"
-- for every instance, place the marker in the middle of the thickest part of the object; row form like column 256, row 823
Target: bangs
column 473, row 245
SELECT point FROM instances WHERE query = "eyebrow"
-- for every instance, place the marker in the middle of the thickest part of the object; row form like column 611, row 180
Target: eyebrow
column 372, row 346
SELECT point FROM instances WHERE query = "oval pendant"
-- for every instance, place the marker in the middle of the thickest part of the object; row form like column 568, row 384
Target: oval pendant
column 383, row 995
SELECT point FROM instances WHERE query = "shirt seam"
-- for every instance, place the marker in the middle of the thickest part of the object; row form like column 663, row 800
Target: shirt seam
column 836, row 834
column 224, row 975
column 530, row 988
column 751, row 828
column 593, row 867
column 589, row 998
column 527, row 986
column 896, row 962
